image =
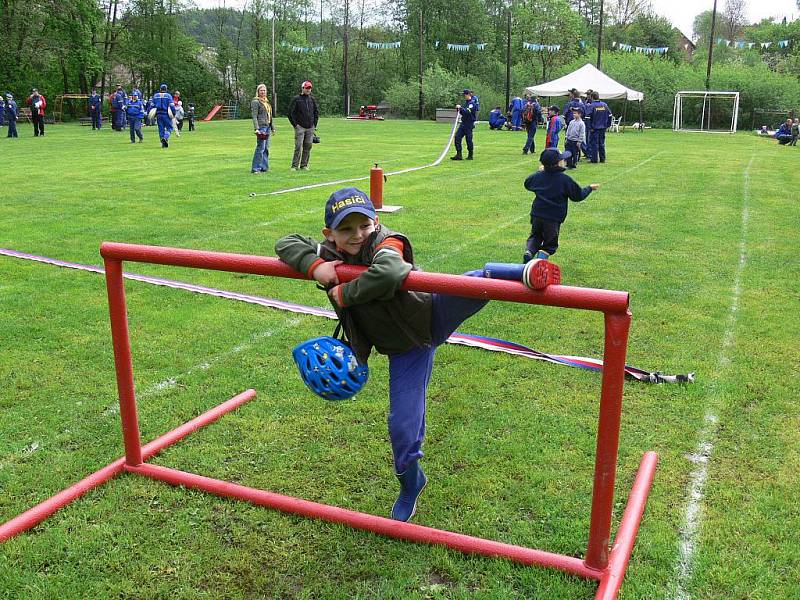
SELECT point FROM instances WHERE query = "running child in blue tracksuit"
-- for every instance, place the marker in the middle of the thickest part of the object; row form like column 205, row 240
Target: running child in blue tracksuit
column 553, row 189
column 135, row 112
column 375, row 312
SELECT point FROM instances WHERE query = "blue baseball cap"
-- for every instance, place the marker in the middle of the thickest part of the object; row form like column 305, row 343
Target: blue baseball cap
column 551, row 157
column 163, row 87
column 345, row 202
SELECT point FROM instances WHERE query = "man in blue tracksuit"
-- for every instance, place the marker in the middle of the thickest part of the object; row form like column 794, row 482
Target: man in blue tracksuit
column 516, row 106
column 599, row 120
column 496, row 119
column 165, row 107
column 119, row 101
column 11, row 115
column 573, row 102
column 135, row 111
column 469, row 114
column 96, row 109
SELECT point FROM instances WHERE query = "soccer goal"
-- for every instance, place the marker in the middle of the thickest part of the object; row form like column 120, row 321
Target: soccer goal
column 708, row 112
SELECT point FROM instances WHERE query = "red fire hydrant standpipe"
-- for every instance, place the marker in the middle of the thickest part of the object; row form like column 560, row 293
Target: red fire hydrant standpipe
column 376, row 179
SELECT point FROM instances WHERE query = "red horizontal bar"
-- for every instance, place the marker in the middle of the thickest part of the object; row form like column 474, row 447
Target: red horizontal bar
column 33, row 516
column 358, row 520
column 611, row 580
column 608, row 301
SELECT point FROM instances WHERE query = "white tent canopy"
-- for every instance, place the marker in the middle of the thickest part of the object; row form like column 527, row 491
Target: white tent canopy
column 588, row 77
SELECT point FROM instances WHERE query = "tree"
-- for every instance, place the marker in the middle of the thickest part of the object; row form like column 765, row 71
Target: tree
column 733, row 19
column 549, row 22
column 702, row 26
column 624, row 12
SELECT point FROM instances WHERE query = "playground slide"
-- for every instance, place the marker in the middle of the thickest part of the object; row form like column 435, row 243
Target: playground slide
column 212, row 112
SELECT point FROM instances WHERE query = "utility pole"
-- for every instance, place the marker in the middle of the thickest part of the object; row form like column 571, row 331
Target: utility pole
column 346, row 58
column 711, row 45
column 274, row 91
column 420, row 110
column 600, row 37
column 508, row 57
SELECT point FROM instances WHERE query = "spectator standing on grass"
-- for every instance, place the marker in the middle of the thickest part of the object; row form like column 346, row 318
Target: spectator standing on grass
column 554, row 126
column 96, row 109
column 575, row 137
column 600, row 121
column 135, row 113
column 2, row 111
column 261, row 112
column 190, row 116
column 795, row 132
column 119, row 101
column 303, row 115
column 37, row 103
column 469, row 114
column 573, row 102
column 531, row 115
column 553, row 190
column 11, row 116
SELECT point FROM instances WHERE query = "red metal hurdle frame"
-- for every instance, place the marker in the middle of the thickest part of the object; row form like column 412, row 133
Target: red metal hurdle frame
column 602, row 562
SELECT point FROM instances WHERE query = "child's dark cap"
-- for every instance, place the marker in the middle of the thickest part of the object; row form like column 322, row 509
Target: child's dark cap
column 551, row 157
column 344, row 202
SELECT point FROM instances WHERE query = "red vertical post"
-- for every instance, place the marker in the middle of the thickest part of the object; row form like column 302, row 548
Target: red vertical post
column 122, row 361
column 605, row 466
column 376, row 186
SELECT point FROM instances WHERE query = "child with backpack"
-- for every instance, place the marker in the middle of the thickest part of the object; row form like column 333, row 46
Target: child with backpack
column 531, row 115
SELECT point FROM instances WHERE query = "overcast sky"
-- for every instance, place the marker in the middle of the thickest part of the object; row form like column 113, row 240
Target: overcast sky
column 680, row 12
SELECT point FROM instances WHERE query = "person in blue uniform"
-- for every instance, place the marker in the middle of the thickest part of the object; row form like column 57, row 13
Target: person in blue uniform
column 531, row 115
column 516, row 106
column 469, row 114
column 135, row 111
column 96, row 109
column 600, row 120
column 119, row 101
column 554, row 127
column 165, row 107
column 11, row 115
column 573, row 102
column 2, row 111
column 784, row 133
column 496, row 118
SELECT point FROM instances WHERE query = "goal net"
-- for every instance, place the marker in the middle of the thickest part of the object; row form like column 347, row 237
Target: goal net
column 711, row 112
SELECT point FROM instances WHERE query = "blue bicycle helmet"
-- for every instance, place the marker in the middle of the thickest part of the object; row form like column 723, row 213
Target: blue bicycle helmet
column 329, row 368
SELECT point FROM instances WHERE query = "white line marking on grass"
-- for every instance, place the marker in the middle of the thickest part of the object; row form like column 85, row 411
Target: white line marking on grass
column 171, row 382
column 633, row 168
column 701, row 458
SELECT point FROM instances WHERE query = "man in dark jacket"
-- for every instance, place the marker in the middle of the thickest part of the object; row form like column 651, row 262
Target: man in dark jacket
column 96, row 109
column 469, row 114
column 303, row 115
column 37, row 103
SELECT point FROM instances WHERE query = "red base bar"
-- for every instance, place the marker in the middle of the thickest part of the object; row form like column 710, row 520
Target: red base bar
column 33, row 516
column 611, row 580
column 379, row 525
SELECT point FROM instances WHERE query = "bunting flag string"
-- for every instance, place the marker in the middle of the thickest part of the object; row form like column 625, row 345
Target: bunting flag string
column 383, row 45
column 541, row 47
column 741, row 44
column 640, row 49
column 306, row 49
column 464, row 339
column 463, row 47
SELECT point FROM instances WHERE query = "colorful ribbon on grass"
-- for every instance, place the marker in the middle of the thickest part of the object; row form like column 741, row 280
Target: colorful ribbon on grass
column 463, row 339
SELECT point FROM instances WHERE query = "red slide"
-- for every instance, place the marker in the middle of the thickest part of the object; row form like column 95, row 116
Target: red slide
column 212, row 112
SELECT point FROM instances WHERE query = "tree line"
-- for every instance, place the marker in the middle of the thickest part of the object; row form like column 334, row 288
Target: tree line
column 221, row 54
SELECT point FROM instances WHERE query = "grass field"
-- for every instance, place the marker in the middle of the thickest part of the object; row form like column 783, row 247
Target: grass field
column 701, row 230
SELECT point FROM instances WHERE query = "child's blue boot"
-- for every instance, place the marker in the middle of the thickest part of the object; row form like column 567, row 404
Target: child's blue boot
column 542, row 254
column 412, row 482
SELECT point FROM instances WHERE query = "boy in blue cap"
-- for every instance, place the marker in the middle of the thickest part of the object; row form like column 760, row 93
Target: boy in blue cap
column 469, row 114
column 375, row 312
column 553, row 189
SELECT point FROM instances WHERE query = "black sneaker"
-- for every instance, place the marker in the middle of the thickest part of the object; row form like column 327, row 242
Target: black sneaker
column 456, row 157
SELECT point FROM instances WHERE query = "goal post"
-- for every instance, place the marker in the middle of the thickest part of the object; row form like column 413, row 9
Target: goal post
column 706, row 111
